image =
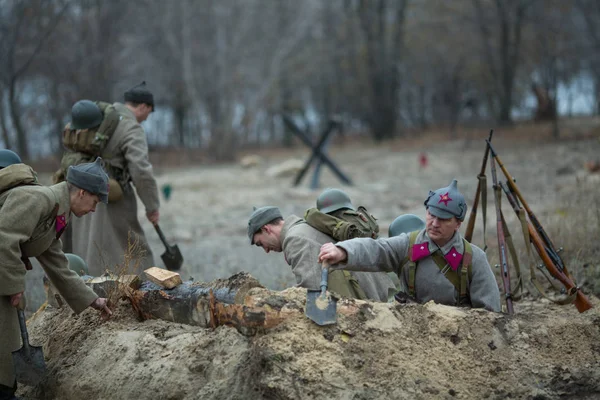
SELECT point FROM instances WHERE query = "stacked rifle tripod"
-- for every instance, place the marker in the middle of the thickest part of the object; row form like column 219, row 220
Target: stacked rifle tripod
column 534, row 234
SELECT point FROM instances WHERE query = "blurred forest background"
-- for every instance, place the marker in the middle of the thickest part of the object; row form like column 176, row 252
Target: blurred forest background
column 223, row 72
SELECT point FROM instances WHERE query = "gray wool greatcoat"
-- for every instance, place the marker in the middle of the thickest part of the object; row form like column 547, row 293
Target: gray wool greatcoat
column 390, row 254
column 28, row 219
column 100, row 238
column 301, row 244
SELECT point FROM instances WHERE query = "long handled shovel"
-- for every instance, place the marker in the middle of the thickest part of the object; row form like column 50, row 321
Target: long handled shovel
column 172, row 256
column 320, row 306
column 30, row 366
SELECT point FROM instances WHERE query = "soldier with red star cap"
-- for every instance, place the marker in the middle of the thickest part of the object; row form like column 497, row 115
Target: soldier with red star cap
column 435, row 263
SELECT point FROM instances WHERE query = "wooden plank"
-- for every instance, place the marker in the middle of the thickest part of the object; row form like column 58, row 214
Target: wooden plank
column 163, row 277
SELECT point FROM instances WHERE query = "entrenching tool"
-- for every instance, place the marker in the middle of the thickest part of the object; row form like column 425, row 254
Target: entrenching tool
column 320, row 306
column 30, row 366
column 172, row 256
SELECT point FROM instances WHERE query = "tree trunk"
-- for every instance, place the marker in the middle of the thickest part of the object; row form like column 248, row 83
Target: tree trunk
column 22, row 148
column 5, row 135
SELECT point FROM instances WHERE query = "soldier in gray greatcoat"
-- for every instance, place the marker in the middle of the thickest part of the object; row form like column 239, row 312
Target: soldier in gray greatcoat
column 435, row 263
column 101, row 238
column 300, row 244
column 32, row 219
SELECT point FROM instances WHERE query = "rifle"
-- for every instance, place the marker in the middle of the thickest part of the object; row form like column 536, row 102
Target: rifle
column 471, row 224
column 541, row 242
column 501, row 240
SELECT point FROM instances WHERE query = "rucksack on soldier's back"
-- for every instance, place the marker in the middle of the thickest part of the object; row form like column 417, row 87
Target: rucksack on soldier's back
column 345, row 224
column 17, row 175
column 85, row 145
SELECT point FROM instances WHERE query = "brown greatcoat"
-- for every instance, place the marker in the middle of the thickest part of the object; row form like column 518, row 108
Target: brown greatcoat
column 101, row 238
column 301, row 244
column 28, row 216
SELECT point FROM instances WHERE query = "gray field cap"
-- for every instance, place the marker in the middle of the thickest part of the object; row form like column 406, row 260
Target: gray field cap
column 90, row 177
column 447, row 202
column 260, row 217
column 405, row 223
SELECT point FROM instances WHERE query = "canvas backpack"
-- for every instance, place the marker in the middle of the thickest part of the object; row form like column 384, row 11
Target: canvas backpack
column 344, row 224
column 85, row 145
column 459, row 278
column 17, row 175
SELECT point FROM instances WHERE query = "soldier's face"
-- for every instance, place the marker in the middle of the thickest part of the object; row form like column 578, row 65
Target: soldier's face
column 441, row 230
column 84, row 203
column 143, row 111
column 268, row 239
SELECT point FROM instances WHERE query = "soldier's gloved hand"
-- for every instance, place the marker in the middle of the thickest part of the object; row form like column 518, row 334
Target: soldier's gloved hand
column 101, row 304
column 153, row 216
column 332, row 254
column 15, row 299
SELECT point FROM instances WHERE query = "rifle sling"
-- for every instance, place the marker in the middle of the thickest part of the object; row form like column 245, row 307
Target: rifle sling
column 483, row 185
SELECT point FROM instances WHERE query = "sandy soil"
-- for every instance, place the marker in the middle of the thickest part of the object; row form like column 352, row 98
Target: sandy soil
column 385, row 350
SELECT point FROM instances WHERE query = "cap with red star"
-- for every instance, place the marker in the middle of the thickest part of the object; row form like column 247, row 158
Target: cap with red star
column 447, row 202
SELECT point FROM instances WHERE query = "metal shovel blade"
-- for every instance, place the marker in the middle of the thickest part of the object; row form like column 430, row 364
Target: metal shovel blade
column 30, row 367
column 320, row 306
column 172, row 256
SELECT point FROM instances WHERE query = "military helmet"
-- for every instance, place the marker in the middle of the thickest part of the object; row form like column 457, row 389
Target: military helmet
column 9, row 157
column 332, row 200
column 77, row 264
column 85, row 114
column 405, row 224
column 447, row 202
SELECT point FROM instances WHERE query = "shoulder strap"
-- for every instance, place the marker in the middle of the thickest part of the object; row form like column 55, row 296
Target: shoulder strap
column 459, row 278
column 466, row 273
column 412, row 265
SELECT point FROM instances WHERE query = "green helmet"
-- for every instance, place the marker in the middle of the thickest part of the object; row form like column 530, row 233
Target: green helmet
column 8, row 157
column 405, row 224
column 85, row 114
column 332, row 200
column 77, row 264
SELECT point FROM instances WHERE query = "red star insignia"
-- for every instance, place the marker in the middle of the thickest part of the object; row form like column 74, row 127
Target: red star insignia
column 444, row 198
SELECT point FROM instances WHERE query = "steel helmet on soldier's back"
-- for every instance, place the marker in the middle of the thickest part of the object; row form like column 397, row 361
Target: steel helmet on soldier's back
column 332, row 200
column 85, row 114
column 77, row 264
column 405, row 224
column 9, row 157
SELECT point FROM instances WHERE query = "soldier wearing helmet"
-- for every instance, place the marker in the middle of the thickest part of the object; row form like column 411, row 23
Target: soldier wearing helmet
column 8, row 157
column 435, row 263
column 405, row 223
column 120, row 140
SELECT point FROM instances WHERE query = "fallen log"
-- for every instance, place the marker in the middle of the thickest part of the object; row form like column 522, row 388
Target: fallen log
column 221, row 302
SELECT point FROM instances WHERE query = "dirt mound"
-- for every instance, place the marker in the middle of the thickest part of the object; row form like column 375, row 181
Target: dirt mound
column 381, row 350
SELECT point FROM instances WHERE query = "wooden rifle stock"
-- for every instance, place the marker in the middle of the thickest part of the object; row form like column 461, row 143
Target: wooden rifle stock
column 536, row 223
column 581, row 301
column 471, row 224
column 501, row 241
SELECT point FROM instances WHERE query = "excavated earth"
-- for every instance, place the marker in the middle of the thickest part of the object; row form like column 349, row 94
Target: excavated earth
column 383, row 351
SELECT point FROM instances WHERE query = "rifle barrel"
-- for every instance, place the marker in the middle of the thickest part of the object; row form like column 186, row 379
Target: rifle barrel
column 501, row 240
column 472, row 216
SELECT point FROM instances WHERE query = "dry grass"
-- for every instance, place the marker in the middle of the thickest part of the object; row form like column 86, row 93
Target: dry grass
column 120, row 275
